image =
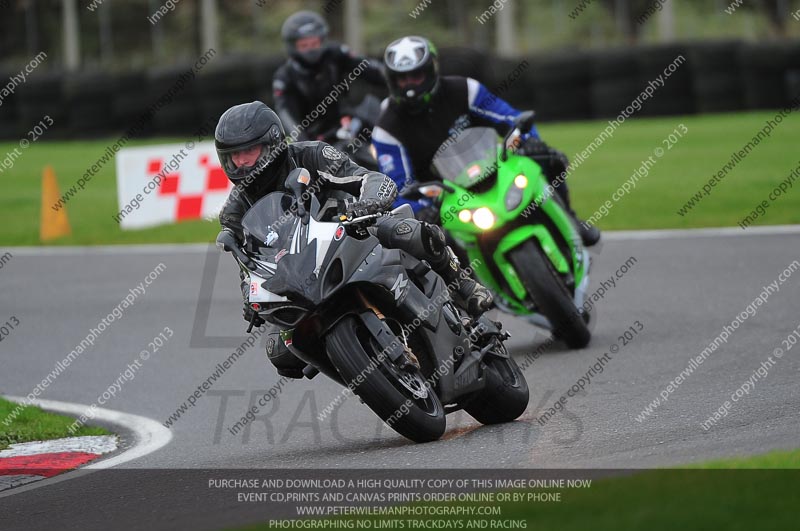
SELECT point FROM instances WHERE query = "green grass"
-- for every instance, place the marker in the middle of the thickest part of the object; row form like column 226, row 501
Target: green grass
column 713, row 495
column 33, row 424
column 701, row 153
column 677, row 175
column 90, row 211
column 779, row 459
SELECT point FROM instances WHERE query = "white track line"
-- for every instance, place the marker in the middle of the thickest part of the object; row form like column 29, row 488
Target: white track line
column 628, row 235
column 149, row 436
column 90, row 444
column 200, row 248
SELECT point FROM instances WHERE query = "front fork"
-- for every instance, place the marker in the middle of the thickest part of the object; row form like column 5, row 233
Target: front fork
column 513, row 292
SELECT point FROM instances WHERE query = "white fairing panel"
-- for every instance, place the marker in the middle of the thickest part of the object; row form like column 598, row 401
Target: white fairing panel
column 323, row 232
column 259, row 294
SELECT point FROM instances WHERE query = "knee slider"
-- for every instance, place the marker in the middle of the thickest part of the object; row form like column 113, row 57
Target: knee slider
column 434, row 239
column 280, row 356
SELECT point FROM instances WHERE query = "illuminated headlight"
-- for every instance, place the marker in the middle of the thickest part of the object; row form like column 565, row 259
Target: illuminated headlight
column 465, row 216
column 483, row 218
column 513, row 197
column 520, row 181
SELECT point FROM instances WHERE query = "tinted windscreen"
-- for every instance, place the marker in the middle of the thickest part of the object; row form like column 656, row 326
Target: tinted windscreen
column 469, row 157
column 270, row 225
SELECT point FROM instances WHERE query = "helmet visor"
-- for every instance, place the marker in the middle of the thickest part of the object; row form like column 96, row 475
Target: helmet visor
column 239, row 163
column 410, row 80
column 309, row 48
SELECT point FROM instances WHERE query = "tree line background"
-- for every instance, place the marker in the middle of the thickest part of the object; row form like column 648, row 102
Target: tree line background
column 117, row 36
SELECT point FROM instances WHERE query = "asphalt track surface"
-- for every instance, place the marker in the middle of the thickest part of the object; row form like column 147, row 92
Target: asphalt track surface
column 682, row 288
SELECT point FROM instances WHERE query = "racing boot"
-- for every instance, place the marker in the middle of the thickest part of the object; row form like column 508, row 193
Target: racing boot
column 554, row 163
column 589, row 234
column 474, row 297
column 470, row 295
column 284, row 361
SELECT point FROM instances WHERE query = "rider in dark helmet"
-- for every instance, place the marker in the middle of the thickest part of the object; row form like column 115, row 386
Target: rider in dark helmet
column 314, row 68
column 250, row 138
column 256, row 157
column 422, row 100
column 305, row 34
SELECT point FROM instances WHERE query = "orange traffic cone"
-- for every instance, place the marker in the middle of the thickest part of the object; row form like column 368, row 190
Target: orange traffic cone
column 54, row 223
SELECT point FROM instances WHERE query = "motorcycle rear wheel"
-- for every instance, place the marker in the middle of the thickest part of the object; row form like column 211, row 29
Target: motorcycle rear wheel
column 400, row 397
column 549, row 294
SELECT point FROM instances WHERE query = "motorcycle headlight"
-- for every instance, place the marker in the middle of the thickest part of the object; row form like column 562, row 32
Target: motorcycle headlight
column 465, row 216
column 513, row 198
column 483, row 218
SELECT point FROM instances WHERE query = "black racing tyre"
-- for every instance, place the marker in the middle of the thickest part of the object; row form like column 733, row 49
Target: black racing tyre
column 387, row 390
column 505, row 396
column 549, row 294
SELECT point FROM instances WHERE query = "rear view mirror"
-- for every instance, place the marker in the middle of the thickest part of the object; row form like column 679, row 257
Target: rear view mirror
column 526, row 120
column 431, row 190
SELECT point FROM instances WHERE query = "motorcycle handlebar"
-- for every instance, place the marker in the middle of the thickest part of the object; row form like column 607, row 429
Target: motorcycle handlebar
column 227, row 242
column 361, row 219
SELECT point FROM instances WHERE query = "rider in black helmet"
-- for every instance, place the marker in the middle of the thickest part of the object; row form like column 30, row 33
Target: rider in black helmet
column 305, row 35
column 256, row 157
column 422, row 100
column 311, row 73
column 255, row 132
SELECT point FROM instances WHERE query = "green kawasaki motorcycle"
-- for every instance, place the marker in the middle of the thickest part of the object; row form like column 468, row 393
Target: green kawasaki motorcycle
column 520, row 240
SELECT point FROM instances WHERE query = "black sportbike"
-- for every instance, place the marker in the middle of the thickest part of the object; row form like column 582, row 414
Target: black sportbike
column 374, row 319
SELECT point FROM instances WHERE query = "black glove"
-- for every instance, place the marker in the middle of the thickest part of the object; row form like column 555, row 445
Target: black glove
column 534, row 147
column 362, row 208
column 429, row 214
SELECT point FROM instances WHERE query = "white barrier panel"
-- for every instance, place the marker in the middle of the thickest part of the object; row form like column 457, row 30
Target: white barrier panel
column 164, row 184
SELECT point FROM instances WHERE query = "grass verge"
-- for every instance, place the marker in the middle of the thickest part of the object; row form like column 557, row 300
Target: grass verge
column 653, row 203
column 33, row 424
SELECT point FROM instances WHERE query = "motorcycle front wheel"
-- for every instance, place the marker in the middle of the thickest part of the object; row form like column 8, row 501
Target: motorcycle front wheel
column 549, row 294
column 400, row 397
column 506, row 394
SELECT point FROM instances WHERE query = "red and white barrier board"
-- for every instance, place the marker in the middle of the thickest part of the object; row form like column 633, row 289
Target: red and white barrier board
column 165, row 184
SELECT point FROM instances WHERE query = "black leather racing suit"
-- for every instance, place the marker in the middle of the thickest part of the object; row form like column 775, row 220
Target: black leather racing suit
column 339, row 179
column 298, row 88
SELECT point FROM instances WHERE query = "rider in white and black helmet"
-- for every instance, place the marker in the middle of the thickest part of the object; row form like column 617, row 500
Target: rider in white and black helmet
column 412, row 72
column 423, row 101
